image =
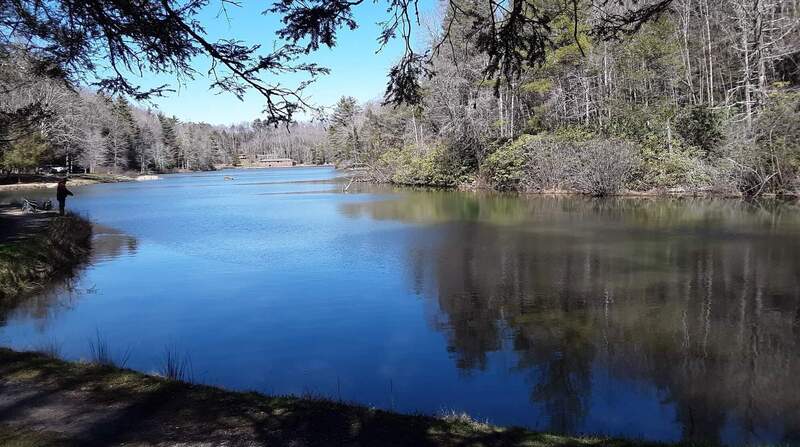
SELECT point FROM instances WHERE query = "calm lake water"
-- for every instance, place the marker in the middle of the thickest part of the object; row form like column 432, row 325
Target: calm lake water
column 662, row 319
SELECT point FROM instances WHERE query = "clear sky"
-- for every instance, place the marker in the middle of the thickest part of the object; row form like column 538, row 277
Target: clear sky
column 356, row 69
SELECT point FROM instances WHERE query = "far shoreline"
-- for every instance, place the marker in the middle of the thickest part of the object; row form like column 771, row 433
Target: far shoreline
column 76, row 180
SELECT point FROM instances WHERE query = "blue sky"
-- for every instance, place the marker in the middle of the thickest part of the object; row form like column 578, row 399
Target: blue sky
column 356, row 70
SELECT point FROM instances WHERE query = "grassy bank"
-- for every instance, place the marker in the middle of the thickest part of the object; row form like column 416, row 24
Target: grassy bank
column 52, row 402
column 29, row 263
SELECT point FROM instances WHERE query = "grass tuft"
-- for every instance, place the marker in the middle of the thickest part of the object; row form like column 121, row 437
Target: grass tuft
column 461, row 417
column 100, row 353
column 50, row 349
column 176, row 367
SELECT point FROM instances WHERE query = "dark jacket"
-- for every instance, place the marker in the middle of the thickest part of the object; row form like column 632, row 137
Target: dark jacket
column 62, row 192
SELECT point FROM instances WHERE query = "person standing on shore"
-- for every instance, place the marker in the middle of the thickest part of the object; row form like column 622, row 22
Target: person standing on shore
column 61, row 194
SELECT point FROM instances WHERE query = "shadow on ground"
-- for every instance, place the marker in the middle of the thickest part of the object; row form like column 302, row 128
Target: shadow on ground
column 44, row 401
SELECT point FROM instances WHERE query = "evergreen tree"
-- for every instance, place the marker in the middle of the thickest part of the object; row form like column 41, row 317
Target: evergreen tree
column 130, row 135
column 113, row 133
column 24, row 153
column 169, row 134
column 343, row 130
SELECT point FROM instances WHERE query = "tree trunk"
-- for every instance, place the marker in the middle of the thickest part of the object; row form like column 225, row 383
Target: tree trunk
column 710, row 56
column 687, row 58
column 747, row 84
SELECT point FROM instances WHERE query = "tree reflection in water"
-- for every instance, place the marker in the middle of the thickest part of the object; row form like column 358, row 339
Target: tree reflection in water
column 107, row 244
column 700, row 298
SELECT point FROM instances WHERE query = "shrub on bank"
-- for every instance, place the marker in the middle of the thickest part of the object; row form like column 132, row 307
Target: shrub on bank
column 604, row 167
column 701, row 127
column 769, row 159
column 594, row 166
column 504, row 167
column 412, row 165
column 675, row 167
column 549, row 165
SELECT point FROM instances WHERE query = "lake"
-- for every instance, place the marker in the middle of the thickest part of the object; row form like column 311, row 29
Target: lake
column 664, row 319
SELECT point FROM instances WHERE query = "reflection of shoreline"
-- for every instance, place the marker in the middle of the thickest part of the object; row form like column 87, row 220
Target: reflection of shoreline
column 699, row 301
column 45, row 305
column 437, row 206
column 110, row 243
column 107, row 243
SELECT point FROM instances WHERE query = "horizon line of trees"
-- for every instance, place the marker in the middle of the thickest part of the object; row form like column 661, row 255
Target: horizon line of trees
column 46, row 122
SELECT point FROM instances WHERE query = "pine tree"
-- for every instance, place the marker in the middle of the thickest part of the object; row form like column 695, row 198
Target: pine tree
column 170, row 139
column 24, row 153
column 343, row 130
column 131, row 136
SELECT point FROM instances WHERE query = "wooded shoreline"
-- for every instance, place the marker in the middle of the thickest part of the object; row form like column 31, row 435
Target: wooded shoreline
column 91, row 179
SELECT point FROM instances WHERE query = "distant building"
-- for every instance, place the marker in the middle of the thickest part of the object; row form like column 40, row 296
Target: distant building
column 270, row 161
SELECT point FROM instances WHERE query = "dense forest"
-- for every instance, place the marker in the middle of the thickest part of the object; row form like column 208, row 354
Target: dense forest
column 703, row 98
column 96, row 133
column 697, row 96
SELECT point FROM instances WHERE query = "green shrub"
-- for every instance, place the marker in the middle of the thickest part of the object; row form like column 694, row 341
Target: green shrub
column 503, row 168
column 574, row 133
column 631, row 122
column 415, row 166
column 777, row 132
column 678, row 167
column 700, row 127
